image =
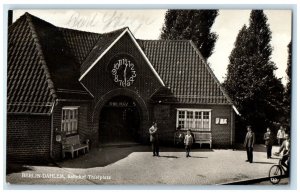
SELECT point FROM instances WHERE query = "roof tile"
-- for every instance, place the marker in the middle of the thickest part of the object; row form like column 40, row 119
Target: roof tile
column 184, row 71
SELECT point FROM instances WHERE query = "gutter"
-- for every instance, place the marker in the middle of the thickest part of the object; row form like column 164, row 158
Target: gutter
column 236, row 110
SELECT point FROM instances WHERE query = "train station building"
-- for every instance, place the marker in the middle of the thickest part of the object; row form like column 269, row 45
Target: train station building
column 107, row 88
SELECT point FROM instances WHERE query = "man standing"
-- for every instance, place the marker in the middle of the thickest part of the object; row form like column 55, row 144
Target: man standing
column 268, row 142
column 280, row 135
column 248, row 143
column 154, row 139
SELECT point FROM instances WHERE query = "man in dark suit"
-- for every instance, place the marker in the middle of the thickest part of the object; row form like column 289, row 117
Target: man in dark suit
column 268, row 137
column 249, row 143
column 154, row 139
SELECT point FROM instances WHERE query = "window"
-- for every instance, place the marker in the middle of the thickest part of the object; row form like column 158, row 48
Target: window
column 69, row 123
column 194, row 119
column 181, row 119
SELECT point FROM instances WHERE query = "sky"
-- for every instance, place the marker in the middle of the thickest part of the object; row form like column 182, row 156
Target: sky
column 147, row 24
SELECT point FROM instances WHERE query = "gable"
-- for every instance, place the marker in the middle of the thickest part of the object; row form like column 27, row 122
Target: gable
column 105, row 44
column 99, row 79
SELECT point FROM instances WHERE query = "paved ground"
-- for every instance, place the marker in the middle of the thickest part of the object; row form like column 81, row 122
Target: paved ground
column 136, row 165
column 283, row 181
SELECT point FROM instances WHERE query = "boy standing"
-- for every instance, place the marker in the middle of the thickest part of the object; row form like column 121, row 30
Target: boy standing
column 154, row 139
column 188, row 142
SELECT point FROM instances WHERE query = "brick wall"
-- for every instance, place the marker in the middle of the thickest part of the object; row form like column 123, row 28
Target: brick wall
column 28, row 138
column 165, row 115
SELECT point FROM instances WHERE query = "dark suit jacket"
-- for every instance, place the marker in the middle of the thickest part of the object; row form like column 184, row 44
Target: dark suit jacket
column 268, row 137
column 249, row 139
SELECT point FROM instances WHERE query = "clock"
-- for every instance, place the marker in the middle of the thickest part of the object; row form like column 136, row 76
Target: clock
column 123, row 71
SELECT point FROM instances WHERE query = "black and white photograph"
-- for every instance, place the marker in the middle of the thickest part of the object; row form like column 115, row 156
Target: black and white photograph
column 149, row 97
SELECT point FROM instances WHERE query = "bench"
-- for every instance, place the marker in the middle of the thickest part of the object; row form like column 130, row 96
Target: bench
column 202, row 138
column 72, row 144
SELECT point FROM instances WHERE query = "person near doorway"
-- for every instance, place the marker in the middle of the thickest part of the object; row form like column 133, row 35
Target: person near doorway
column 280, row 135
column 268, row 137
column 188, row 142
column 249, row 143
column 154, row 139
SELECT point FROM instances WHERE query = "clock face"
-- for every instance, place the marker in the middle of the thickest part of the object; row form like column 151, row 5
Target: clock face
column 123, row 72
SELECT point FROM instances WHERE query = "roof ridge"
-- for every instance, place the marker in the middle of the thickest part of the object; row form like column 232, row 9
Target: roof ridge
column 70, row 29
column 83, row 31
column 114, row 31
column 160, row 40
column 41, row 55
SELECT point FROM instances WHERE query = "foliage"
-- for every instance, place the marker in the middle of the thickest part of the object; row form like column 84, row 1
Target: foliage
column 250, row 79
column 192, row 25
column 288, row 91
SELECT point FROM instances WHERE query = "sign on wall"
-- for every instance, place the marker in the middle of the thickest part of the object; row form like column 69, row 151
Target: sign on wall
column 221, row 121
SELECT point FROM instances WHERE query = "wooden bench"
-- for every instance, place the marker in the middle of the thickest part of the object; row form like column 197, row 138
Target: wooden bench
column 72, row 144
column 202, row 138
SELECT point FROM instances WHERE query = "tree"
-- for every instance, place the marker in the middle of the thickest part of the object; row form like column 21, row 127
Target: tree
column 192, row 25
column 288, row 90
column 250, row 79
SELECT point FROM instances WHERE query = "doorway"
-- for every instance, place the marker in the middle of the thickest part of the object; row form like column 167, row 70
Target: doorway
column 119, row 121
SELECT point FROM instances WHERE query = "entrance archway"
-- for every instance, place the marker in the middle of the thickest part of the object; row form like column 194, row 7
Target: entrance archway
column 119, row 121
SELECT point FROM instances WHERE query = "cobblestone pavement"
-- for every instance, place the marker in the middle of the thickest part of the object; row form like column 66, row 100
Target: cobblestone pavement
column 136, row 165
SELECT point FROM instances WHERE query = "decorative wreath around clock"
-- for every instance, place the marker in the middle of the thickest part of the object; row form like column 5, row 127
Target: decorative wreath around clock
column 123, row 70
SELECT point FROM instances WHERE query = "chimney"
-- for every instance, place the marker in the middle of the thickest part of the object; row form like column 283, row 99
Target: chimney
column 10, row 17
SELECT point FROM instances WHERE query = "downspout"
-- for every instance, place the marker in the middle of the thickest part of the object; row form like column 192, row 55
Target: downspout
column 52, row 132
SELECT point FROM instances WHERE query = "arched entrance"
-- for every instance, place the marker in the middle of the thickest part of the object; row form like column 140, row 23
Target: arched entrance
column 119, row 121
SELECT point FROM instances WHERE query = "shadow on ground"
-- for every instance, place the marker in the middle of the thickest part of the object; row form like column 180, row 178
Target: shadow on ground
column 101, row 157
column 15, row 168
column 264, row 162
column 257, row 147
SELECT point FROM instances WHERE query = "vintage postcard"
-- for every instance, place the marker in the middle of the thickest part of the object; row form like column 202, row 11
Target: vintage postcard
column 149, row 97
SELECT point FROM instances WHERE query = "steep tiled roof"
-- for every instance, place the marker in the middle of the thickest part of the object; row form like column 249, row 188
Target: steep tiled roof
column 41, row 67
column 29, row 85
column 45, row 62
column 81, row 43
column 87, row 46
column 185, row 73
